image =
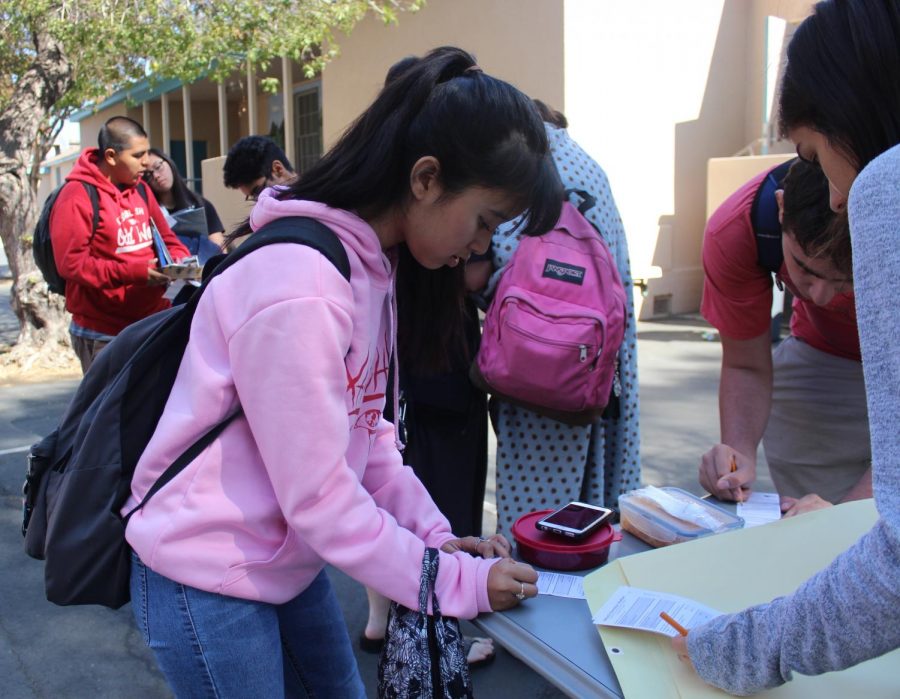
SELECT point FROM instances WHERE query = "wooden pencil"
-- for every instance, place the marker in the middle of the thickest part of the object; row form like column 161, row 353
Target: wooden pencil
column 674, row 624
column 733, row 469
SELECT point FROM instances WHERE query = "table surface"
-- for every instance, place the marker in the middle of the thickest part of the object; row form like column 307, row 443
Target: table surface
column 557, row 639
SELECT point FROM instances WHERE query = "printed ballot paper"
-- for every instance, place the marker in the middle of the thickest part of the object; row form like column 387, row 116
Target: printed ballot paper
column 634, row 608
column 759, row 508
column 560, row 585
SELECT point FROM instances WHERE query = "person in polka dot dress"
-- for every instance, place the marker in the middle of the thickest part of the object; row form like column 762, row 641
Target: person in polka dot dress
column 542, row 463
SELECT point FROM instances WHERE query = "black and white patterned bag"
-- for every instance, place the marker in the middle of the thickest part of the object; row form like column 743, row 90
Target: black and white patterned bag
column 424, row 656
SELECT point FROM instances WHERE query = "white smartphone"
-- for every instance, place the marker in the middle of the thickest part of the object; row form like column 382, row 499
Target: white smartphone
column 575, row 520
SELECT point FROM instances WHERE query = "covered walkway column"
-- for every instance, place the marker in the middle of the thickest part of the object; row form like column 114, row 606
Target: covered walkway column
column 287, row 93
column 166, row 132
column 252, row 115
column 145, row 117
column 223, row 119
column 188, row 135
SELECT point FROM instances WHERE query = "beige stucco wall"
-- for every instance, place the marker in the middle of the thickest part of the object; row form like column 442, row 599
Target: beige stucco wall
column 517, row 40
column 725, row 175
column 653, row 90
column 756, row 60
column 229, row 203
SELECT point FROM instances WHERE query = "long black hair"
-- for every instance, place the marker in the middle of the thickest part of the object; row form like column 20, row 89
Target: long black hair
column 843, row 76
column 182, row 196
column 483, row 132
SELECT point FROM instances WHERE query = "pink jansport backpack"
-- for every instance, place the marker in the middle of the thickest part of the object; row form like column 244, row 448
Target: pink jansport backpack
column 553, row 330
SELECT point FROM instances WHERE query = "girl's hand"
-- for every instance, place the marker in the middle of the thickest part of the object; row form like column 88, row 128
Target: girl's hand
column 509, row 583
column 679, row 644
column 495, row 546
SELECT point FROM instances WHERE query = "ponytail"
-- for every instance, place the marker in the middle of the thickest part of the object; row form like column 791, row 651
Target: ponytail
column 483, row 131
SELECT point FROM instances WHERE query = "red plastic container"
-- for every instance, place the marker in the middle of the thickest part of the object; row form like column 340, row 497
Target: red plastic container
column 556, row 553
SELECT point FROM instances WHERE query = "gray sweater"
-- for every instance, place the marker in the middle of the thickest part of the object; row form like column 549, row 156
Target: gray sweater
column 850, row 611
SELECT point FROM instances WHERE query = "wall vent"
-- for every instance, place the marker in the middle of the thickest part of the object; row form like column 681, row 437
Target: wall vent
column 662, row 305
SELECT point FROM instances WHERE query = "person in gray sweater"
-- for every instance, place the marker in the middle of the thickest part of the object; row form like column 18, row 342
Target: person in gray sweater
column 840, row 105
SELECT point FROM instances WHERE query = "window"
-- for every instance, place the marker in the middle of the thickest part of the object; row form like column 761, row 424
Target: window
column 307, row 127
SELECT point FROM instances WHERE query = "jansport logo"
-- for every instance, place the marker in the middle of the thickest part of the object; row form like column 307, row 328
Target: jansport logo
column 564, row 272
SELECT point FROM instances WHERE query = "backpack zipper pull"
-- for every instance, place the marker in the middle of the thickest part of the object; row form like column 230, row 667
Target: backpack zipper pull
column 582, row 353
column 617, row 381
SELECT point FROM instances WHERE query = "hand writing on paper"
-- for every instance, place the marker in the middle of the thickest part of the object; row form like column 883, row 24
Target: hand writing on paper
column 495, row 546
column 716, row 474
column 679, row 644
column 509, row 583
column 791, row 507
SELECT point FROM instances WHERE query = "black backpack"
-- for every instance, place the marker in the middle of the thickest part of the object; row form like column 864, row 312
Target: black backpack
column 79, row 476
column 42, row 246
column 764, row 219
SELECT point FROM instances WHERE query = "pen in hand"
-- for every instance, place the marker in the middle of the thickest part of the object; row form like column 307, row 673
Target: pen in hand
column 674, row 624
column 733, row 469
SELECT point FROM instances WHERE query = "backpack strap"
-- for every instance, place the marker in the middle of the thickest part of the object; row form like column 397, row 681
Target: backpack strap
column 94, row 196
column 764, row 219
column 142, row 190
column 189, row 454
column 587, row 201
column 292, row 229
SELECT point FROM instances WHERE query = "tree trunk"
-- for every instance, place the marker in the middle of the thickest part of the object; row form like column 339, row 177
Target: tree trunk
column 43, row 337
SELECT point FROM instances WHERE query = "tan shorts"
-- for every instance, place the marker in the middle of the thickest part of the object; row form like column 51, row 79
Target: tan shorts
column 817, row 439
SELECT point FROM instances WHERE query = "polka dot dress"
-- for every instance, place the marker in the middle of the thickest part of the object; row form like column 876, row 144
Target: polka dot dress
column 542, row 463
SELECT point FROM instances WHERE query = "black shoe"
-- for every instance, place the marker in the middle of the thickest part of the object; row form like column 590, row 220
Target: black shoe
column 370, row 645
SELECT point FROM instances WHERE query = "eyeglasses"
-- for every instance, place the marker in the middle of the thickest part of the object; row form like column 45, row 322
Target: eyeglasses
column 154, row 171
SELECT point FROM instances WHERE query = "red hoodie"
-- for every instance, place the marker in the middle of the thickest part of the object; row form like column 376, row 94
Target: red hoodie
column 106, row 273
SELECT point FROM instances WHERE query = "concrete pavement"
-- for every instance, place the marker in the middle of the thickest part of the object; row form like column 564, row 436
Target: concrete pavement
column 48, row 651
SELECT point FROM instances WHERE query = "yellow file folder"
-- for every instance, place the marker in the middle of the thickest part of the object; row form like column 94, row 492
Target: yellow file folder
column 729, row 572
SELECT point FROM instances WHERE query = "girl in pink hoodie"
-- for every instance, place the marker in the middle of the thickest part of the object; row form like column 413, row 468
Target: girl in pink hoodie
column 227, row 584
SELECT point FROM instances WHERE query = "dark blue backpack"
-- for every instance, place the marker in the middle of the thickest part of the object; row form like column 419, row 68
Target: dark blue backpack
column 79, row 476
column 764, row 219
column 42, row 246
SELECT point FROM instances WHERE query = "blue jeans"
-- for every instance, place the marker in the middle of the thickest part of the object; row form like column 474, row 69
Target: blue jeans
column 211, row 645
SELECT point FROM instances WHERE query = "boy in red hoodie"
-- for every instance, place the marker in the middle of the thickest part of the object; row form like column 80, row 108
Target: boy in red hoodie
column 111, row 272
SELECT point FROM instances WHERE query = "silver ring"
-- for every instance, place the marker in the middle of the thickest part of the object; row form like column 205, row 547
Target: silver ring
column 520, row 595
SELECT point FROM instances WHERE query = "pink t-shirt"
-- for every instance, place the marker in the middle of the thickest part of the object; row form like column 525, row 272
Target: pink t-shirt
column 737, row 292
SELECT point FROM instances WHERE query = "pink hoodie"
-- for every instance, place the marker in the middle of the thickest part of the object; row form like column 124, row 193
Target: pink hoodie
column 310, row 474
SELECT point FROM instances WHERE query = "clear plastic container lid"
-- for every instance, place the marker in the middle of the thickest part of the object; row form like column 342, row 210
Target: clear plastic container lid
column 672, row 514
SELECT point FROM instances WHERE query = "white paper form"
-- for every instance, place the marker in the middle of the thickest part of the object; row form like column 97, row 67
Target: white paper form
column 176, row 286
column 560, row 585
column 634, row 608
column 760, row 508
